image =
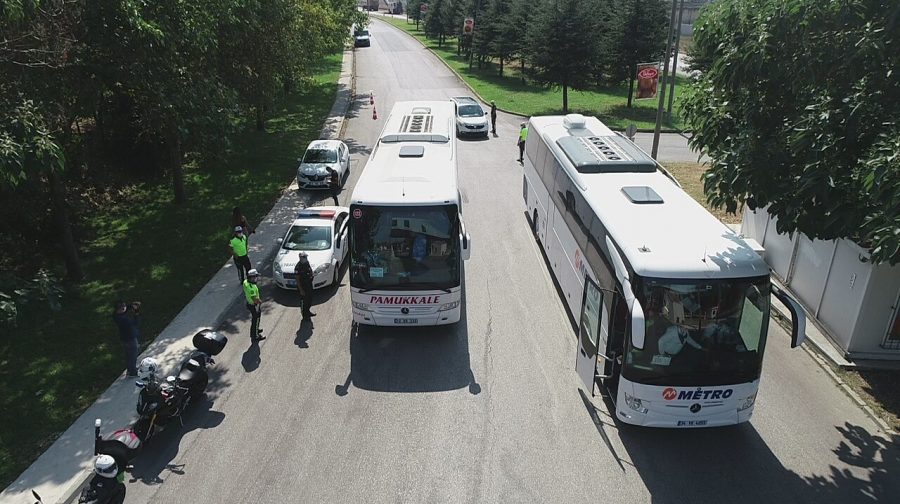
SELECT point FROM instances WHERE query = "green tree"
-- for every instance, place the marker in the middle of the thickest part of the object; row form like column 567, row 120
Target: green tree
column 289, row 38
column 414, row 10
column 522, row 12
column 639, row 38
column 484, row 31
column 796, row 106
column 560, row 46
column 38, row 39
column 439, row 21
column 504, row 42
column 161, row 56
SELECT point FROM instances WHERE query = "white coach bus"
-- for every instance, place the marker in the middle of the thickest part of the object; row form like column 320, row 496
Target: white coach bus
column 672, row 306
column 407, row 236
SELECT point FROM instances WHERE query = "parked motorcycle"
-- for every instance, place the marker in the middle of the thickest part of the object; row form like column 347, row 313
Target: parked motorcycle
column 161, row 402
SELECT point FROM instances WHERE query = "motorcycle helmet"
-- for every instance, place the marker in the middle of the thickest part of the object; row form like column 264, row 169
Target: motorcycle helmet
column 105, row 466
column 148, row 368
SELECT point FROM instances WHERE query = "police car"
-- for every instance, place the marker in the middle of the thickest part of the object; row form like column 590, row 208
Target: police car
column 321, row 232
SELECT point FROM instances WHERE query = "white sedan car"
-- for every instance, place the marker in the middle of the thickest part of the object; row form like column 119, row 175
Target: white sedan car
column 321, row 155
column 471, row 119
column 321, row 232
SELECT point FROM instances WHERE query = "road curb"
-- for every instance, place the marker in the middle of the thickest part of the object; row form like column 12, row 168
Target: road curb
column 481, row 98
column 182, row 325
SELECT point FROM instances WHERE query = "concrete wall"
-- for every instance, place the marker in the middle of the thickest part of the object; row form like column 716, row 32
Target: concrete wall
column 852, row 299
column 877, row 313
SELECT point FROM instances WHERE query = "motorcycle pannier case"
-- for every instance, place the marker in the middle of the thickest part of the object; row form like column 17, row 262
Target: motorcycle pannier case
column 210, row 342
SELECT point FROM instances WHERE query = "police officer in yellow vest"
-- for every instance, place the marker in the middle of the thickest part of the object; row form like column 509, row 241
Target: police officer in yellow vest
column 238, row 246
column 523, row 133
column 254, row 304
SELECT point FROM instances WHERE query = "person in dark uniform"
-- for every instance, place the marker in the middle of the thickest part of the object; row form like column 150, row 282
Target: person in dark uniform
column 334, row 183
column 304, row 274
column 493, row 117
column 126, row 317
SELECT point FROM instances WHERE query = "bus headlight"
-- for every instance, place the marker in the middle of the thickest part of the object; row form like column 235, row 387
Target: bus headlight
column 448, row 306
column 747, row 403
column 277, row 267
column 361, row 306
column 322, row 269
column 635, row 404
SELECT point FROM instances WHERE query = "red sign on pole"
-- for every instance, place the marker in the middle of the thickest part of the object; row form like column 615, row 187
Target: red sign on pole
column 423, row 8
column 647, row 78
column 468, row 26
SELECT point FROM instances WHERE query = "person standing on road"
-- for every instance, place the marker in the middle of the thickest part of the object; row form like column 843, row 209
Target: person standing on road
column 523, row 133
column 254, row 304
column 238, row 219
column 334, row 183
column 493, row 117
column 304, row 274
column 126, row 318
column 238, row 246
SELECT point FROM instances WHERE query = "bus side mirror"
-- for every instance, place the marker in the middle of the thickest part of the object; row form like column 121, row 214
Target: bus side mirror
column 466, row 246
column 279, row 241
column 637, row 325
column 798, row 316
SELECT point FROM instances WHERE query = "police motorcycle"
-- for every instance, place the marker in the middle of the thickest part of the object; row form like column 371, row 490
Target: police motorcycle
column 161, row 401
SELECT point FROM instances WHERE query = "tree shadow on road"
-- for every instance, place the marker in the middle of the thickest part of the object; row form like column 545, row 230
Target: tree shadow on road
column 692, row 466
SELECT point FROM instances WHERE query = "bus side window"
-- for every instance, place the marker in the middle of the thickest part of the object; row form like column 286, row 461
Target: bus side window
column 561, row 185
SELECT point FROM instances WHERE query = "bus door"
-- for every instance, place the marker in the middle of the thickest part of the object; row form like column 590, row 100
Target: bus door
column 591, row 333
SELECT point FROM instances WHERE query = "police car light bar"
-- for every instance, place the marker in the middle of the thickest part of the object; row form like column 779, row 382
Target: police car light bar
column 308, row 212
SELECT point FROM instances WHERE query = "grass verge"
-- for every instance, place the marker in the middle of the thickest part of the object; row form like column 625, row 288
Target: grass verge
column 689, row 175
column 145, row 249
column 513, row 93
column 879, row 390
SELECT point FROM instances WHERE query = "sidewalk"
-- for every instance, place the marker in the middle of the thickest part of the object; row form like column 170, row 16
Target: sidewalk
column 59, row 473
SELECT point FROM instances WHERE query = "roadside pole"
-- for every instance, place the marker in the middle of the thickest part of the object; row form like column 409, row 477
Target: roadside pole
column 677, row 34
column 662, row 93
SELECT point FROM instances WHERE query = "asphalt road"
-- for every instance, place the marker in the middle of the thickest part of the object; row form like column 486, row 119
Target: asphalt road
column 489, row 410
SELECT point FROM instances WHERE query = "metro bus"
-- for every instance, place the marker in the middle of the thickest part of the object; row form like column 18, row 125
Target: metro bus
column 408, row 240
column 671, row 306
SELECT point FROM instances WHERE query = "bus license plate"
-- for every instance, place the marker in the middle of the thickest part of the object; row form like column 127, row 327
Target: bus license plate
column 406, row 321
column 691, row 423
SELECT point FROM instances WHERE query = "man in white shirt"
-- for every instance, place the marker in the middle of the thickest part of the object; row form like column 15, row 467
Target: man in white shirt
column 674, row 339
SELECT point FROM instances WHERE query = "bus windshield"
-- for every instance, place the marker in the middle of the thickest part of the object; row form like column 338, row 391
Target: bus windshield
column 404, row 247
column 701, row 333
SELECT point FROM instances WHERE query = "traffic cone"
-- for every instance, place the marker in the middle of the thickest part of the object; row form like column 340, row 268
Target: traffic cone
column 371, row 98
column 374, row 114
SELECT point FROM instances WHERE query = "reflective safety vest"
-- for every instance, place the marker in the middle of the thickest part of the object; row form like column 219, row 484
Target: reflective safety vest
column 239, row 246
column 251, row 291
column 523, row 133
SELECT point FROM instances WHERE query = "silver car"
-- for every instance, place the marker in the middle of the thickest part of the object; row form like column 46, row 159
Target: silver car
column 471, row 119
column 319, row 157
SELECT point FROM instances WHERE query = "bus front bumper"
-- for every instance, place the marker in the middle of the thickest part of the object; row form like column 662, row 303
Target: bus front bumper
column 400, row 320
